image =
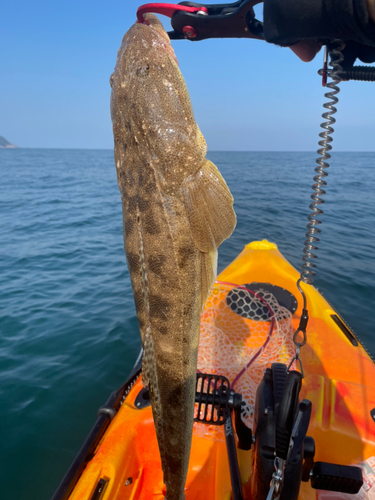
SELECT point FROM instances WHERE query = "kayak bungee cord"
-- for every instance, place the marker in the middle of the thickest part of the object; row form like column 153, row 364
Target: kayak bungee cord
column 307, row 271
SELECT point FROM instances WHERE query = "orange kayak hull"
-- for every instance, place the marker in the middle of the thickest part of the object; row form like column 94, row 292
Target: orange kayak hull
column 339, row 380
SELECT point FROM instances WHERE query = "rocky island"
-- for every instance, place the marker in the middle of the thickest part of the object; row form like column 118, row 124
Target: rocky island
column 5, row 144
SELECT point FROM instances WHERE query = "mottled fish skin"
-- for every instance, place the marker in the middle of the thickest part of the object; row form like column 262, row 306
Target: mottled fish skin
column 177, row 209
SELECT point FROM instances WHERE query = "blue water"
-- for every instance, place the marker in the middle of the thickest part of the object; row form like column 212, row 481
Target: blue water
column 68, row 331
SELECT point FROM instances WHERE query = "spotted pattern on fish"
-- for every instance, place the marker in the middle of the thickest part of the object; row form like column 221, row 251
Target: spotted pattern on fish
column 143, row 270
column 149, row 373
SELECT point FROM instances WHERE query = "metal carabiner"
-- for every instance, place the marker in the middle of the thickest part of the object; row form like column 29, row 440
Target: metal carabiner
column 302, row 328
column 296, row 357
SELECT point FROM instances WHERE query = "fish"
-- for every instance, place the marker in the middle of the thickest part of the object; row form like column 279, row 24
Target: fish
column 177, row 209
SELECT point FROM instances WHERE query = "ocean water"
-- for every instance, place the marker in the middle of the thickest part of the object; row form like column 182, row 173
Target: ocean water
column 68, row 330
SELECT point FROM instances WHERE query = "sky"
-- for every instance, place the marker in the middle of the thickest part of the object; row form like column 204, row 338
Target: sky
column 57, row 57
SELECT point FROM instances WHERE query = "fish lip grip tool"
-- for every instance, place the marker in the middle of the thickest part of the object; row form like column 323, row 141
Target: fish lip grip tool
column 194, row 21
column 167, row 9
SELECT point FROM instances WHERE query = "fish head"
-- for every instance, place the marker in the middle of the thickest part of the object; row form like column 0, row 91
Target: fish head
column 151, row 109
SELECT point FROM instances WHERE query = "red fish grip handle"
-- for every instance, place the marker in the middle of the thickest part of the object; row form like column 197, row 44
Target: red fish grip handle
column 166, row 9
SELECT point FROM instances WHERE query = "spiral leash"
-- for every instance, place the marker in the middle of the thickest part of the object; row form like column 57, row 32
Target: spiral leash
column 311, row 243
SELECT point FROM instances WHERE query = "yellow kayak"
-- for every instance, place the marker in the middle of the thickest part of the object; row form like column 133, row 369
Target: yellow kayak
column 247, row 357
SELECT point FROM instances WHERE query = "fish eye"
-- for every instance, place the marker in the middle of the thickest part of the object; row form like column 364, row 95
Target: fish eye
column 143, row 70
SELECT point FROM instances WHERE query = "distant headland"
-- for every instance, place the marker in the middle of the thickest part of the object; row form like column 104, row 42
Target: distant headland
column 6, row 144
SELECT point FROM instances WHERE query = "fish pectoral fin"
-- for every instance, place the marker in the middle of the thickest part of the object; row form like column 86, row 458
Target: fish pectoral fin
column 209, row 206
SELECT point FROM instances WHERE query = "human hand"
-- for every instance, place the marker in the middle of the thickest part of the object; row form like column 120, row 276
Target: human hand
column 306, row 50
column 305, row 25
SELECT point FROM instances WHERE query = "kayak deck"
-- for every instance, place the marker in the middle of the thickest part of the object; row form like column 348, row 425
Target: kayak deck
column 339, row 377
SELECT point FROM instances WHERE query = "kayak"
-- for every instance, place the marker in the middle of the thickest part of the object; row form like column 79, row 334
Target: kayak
column 247, row 355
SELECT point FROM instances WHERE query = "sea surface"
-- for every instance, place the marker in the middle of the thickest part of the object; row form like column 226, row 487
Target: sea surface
column 68, row 330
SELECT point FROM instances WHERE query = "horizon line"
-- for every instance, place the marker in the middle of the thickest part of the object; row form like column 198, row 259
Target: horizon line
column 208, row 151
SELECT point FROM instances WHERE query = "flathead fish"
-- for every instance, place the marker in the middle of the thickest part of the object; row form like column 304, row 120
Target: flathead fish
column 177, row 209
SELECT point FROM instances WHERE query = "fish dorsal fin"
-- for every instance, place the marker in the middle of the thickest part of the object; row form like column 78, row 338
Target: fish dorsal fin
column 209, row 206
